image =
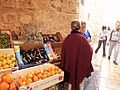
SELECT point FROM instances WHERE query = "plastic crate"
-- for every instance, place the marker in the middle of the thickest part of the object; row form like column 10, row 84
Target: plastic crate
column 26, row 47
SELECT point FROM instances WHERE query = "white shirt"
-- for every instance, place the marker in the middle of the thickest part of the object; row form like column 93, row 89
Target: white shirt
column 102, row 35
column 115, row 35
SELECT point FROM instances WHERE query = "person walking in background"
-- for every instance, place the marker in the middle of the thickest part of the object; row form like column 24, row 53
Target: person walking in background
column 102, row 39
column 76, row 57
column 108, row 28
column 85, row 32
column 114, row 42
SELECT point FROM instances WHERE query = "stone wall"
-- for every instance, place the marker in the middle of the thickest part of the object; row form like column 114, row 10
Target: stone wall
column 49, row 16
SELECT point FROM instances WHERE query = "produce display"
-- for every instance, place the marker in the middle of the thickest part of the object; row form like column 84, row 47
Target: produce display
column 7, row 81
column 51, row 38
column 31, row 34
column 34, row 55
column 5, row 40
column 57, row 52
column 34, row 37
column 37, row 75
column 7, row 61
column 41, row 76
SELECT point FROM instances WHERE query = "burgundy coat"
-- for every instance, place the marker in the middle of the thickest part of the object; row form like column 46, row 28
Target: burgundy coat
column 76, row 58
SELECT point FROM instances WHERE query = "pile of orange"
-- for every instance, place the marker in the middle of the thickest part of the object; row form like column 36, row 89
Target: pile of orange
column 7, row 81
column 37, row 75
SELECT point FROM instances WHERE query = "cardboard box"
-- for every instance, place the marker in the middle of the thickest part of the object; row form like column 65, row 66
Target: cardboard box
column 8, row 52
column 57, row 45
column 57, row 49
column 27, row 47
column 42, row 84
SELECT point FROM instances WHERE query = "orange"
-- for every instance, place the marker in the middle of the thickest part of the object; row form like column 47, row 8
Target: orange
column 44, row 76
column 19, row 80
column 35, row 78
column 29, row 75
column 39, row 76
column 37, row 72
column 21, row 77
column 9, row 78
column 59, row 71
column 48, row 74
column 52, row 72
column 12, row 86
column 56, row 67
column 32, row 73
column 24, row 79
column 4, row 86
column 4, row 78
column 6, row 73
column 45, row 72
column 22, row 83
column 49, row 69
column 29, row 80
column 0, row 80
column 53, row 68
column 56, row 72
column 41, row 71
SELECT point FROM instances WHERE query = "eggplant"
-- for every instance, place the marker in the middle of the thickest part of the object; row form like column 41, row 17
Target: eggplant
column 25, row 61
column 34, row 55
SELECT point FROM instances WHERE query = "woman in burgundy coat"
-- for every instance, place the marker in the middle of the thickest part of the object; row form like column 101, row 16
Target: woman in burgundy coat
column 76, row 57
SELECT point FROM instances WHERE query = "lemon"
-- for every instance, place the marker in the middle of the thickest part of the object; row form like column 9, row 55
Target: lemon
column 13, row 59
column 1, row 59
column 11, row 65
column 1, row 68
column 0, row 64
column 4, row 62
column 8, row 56
column 9, row 61
column 14, row 63
column 4, row 56
column 11, row 56
column 6, row 66
column 1, row 55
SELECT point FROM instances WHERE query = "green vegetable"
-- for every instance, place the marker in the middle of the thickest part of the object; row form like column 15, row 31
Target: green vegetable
column 5, row 41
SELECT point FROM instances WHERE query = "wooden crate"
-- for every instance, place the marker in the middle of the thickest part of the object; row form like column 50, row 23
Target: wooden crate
column 41, row 84
column 8, row 52
column 8, row 31
column 54, row 34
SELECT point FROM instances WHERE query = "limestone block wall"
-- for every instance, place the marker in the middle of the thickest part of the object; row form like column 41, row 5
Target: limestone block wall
column 48, row 16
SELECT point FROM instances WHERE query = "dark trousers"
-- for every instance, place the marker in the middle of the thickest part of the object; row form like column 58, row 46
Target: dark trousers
column 99, row 45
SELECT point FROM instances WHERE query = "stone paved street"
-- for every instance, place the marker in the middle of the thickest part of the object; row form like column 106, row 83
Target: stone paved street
column 106, row 75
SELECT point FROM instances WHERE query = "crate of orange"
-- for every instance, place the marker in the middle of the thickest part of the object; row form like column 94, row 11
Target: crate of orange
column 7, row 81
column 38, row 77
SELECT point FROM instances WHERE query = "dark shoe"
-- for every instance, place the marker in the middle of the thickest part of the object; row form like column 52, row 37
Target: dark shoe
column 104, row 55
column 115, row 62
column 108, row 57
column 95, row 52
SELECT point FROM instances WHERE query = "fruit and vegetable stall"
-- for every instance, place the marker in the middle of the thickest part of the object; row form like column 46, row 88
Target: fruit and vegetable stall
column 32, row 65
